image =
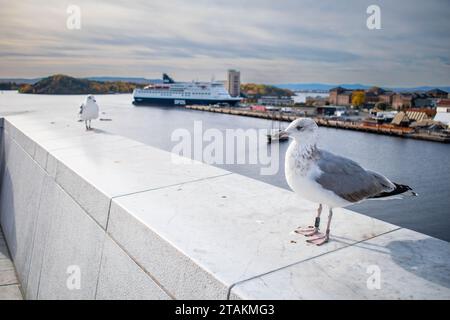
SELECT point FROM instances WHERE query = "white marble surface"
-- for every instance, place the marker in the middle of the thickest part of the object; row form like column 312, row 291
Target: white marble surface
column 95, row 166
column 74, row 239
column 121, row 278
column 19, row 202
column 232, row 227
column 410, row 265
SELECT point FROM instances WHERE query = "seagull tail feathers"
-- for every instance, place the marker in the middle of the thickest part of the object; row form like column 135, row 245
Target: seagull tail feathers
column 401, row 191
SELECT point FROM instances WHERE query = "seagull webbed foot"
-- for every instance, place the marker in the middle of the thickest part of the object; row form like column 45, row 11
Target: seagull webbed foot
column 319, row 239
column 306, row 230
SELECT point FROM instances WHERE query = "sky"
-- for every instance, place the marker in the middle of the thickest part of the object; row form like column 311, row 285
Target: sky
column 278, row 41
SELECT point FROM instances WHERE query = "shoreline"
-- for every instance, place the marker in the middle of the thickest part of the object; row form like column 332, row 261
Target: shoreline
column 402, row 132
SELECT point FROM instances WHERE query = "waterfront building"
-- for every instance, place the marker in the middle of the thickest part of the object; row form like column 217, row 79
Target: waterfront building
column 317, row 101
column 386, row 97
column 427, row 99
column 443, row 103
column 417, row 115
column 340, row 96
column 377, row 94
column 402, row 100
column 401, row 119
column 276, row 101
column 234, row 83
column 443, row 115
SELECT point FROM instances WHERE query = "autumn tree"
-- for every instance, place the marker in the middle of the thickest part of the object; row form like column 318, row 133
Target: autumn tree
column 358, row 98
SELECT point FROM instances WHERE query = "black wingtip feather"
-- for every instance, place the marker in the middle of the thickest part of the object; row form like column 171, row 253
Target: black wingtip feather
column 399, row 189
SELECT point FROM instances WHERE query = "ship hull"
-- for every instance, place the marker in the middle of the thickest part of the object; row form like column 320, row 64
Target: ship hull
column 179, row 102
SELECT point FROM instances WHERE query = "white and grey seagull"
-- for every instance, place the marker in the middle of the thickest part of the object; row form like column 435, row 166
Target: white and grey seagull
column 328, row 179
column 89, row 111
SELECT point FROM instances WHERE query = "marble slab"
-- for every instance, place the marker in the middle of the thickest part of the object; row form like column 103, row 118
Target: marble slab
column 200, row 238
column 402, row 264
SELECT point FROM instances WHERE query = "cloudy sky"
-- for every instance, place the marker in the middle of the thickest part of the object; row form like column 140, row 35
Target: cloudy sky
column 277, row 41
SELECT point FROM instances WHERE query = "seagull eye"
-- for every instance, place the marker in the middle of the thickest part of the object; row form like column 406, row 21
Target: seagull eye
column 299, row 128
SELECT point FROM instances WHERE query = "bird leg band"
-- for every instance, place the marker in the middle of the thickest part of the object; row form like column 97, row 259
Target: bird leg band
column 317, row 222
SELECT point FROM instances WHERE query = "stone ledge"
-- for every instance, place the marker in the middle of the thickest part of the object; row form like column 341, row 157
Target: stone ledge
column 411, row 266
column 170, row 230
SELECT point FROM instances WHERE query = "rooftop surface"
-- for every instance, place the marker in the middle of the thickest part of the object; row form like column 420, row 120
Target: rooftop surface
column 231, row 234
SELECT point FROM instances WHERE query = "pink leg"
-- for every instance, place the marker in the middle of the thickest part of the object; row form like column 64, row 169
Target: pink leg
column 322, row 239
column 311, row 230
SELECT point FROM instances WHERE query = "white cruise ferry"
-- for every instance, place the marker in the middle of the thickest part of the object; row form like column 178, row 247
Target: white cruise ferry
column 183, row 93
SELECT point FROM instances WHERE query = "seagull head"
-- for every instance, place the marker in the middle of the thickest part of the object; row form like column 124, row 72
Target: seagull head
column 90, row 98
column 303, row 130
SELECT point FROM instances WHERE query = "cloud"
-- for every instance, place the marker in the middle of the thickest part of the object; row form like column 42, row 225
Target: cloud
column 269, row 41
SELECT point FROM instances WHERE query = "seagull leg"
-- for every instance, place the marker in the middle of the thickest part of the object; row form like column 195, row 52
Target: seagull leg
column 321, row 239
column 311, row 230
column 90, row 125
column 86, row 124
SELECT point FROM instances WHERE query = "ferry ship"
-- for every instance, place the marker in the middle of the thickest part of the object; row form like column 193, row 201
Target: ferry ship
column 174, row 93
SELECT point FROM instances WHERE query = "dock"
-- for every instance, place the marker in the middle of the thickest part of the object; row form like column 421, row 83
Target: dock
column 391, row 130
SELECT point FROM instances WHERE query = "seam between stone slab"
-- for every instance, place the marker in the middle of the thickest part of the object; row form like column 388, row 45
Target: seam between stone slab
column 46, row 173
column 106, row 233
column 158, row 188
column 109, row 212
column 158, row 283
column 11, row 284
column 306, row 260
column 34, row 233
column 44, row 250
column 172, row 185
column 100, row 266
column 89, row 182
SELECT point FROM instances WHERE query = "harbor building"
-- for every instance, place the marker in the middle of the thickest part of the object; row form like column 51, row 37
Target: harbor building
column 276, row 101
column 340, row 96
column 234, row 83
column 443, row 112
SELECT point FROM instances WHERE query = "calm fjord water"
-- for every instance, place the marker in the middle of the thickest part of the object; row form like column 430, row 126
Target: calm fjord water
column 423, row 165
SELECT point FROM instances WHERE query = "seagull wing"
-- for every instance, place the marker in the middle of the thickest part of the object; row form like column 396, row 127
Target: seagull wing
column 81, row 108
column 348, row 179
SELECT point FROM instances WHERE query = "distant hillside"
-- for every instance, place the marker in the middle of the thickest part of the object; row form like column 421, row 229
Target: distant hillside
column 19, row 80
column 125, row 79
column 257, row 90
column 327, row 87
column 10, row 85
column 62, row 84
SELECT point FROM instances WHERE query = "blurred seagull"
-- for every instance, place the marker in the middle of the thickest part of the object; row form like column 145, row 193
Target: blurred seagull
column 88, row 111
column 328, row 179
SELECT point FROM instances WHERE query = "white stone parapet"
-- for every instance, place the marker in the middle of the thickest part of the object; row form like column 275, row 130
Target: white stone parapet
column 138, row 226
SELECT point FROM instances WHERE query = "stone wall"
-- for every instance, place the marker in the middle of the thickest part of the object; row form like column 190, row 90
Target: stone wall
column 136, row 225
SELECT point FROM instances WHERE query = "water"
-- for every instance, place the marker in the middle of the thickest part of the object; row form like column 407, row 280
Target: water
column 422, row 165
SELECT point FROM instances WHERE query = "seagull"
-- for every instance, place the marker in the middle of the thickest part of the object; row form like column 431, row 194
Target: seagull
column 88, row 111
column 328, row 179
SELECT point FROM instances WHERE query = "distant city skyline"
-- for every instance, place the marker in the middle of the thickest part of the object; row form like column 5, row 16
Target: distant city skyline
column 269, row 42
